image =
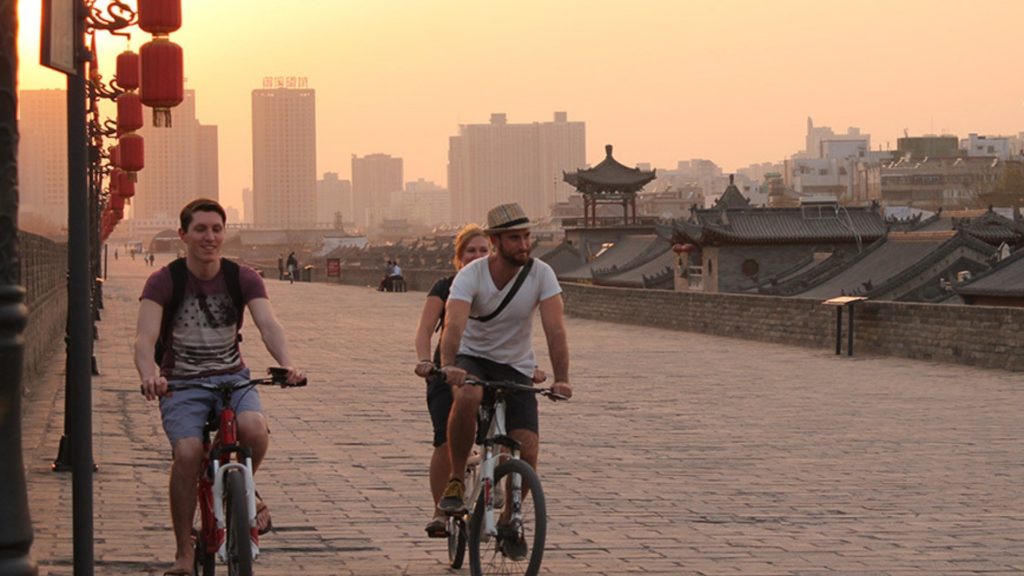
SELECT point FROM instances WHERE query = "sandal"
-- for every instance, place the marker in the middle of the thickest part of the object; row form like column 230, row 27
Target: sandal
column 437, row 528
column 261, row 508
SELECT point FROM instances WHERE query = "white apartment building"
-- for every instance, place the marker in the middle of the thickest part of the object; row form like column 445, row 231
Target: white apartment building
column 1002, row 147
column 424, row 202
column 333, row 200
column 284, row 157
column 498, row 162
column 42, row 161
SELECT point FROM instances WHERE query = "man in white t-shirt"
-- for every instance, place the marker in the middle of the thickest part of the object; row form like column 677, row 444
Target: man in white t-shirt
column 499, row 348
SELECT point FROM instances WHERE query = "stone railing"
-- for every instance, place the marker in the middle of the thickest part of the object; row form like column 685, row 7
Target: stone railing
column 977, row 335
column 44, row 266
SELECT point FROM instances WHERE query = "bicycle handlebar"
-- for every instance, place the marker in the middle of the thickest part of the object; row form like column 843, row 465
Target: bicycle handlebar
column 277, row 378
column 509, row 385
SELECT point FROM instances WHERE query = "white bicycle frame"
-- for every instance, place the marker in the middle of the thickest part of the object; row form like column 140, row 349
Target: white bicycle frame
column 219, row 473
column 488, row 463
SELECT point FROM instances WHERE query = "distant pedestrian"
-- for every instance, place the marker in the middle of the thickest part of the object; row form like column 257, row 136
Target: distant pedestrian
column 115, row 254
column 293, row 267
column 280, row 266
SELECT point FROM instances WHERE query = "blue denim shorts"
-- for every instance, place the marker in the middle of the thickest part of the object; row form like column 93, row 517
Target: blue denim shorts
column 184, row 413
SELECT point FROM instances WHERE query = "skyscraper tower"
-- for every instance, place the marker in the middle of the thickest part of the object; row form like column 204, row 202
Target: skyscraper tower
column 181, row 165
column 376, row 178
column 284, row 154
column 489, row 164
column 42, row 164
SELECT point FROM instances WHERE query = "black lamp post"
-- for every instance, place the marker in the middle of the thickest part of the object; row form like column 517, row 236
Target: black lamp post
column 15, row 524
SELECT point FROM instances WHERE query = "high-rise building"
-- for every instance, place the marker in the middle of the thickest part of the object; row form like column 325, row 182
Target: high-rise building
column 426, row 203
column 181, row 165
column 376, row 180
column 284, row 156
column 42, row 160
column 489, row 164
column 333, row 200
column 247, row 205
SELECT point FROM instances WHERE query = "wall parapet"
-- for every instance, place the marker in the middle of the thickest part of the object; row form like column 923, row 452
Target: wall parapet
column 43, row 265
column 975, row 335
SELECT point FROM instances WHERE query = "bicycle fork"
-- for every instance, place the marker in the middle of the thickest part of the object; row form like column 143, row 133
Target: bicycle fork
column 513, row 491
column 220, row 472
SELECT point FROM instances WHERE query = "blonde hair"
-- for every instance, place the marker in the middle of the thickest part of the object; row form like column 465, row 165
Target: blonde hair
column 466, row 233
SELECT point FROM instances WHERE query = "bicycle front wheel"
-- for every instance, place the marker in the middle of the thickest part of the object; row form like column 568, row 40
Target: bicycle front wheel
column 239, row 543
column 518, row 547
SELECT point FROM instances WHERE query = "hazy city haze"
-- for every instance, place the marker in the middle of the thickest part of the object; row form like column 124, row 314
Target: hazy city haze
column 661, row 80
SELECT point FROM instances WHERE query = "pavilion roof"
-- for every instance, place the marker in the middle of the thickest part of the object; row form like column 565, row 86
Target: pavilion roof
column 609, row 176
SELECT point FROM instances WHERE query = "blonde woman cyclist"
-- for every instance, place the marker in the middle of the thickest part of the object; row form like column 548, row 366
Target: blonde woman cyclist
column 470, row 243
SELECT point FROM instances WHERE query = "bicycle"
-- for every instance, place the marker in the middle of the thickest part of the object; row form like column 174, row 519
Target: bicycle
column 492, row 532
column 226, row 491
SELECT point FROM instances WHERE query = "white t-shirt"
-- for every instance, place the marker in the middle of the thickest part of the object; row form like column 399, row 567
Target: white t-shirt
column 506, row 338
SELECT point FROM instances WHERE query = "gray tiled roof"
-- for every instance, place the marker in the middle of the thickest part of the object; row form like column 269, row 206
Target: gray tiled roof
column 1005, row 279
column 634, row 277
column 890, row 261
column 624, row 250
column 783, row 225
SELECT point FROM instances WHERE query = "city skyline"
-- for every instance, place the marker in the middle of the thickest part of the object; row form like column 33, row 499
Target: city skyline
column 665, row 81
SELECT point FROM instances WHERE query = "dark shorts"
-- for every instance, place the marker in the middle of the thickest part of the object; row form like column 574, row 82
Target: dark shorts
column 521, row 407
column 184, row 413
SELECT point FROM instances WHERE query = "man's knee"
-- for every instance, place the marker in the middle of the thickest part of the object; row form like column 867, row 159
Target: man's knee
column 188, row 454
column 252, row 428
column 529, row 443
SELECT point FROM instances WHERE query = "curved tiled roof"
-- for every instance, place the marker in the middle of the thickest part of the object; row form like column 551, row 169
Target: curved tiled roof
column 1005, row 279
column 609, row 176
column 635, row 277
column 624, row 250
column 891, row 262
column 782, row 225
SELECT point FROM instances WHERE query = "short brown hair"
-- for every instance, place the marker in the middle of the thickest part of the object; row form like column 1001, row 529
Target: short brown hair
column 465, row 234
column 201, row 205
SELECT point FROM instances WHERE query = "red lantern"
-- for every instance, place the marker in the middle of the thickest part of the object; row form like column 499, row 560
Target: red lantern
column 128, row 70
column 163, row 78
column 678, row 248
column 132, row 153
column 116, row 202
column 125, row 185
column 115, row 156
column 159, row 16
column 119, row 215
column 115, row 180
column 129, row 113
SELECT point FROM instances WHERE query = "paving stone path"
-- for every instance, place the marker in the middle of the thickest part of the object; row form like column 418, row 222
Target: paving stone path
column 681, row 454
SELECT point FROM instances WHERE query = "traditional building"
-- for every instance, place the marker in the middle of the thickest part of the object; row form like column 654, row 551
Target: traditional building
column 733, row 247
column 609, row 182
column 1003, row 285
column 903, row 266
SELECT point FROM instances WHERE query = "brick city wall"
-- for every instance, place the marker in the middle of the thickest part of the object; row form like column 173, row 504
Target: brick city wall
column 980, row 336
column 44, row 275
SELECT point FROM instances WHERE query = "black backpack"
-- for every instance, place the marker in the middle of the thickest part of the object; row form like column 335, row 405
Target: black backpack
column 179, row 277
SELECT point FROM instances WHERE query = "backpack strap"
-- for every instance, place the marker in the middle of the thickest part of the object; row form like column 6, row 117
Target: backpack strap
column 179, row 277
column 511, row 293
column 232, row 277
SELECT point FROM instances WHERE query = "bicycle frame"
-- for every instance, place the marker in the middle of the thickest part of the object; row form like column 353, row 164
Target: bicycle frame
column 496, row 436
column 217, row 463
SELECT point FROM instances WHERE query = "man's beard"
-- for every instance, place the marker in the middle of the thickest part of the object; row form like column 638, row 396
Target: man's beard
column 513, row 259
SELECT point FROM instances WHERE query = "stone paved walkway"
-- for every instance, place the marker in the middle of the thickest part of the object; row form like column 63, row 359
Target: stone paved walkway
column 681, row 454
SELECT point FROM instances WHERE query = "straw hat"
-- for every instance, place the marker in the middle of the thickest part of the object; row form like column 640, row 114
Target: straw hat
column 507, row 217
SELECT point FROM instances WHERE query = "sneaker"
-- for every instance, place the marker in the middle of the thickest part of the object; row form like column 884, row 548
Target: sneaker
column 452, row 500
column 513, row 542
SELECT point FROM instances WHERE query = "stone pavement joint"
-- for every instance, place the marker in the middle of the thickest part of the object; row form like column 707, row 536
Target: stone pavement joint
column 680, row 454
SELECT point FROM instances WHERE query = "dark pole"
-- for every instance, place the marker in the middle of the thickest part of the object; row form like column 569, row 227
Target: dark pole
column 839, row 330
column 80, row 308
column 849, row 333
column 15, row 523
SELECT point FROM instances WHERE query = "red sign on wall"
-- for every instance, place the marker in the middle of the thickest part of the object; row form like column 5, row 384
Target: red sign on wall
column 333, row 267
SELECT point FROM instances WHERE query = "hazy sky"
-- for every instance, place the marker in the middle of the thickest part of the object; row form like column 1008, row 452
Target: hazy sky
column 662, row 80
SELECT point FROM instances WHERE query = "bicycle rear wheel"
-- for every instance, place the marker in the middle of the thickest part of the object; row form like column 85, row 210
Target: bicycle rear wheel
column 505, row 553
column 239, row 544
